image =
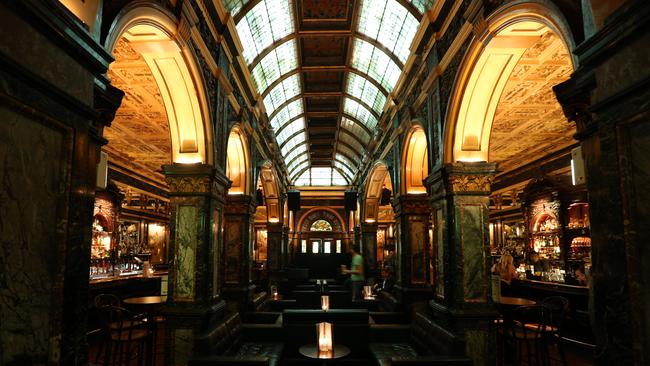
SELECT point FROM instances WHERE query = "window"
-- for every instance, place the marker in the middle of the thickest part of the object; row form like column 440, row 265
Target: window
column 375, row 63
column 255, row 30
column 315, row 247
column 359, row 87
column 327, row 247
column 321, row 176
column 338, row 245
column 303, row 246
column 278, row 62
column 321, row 225
column 360, row 112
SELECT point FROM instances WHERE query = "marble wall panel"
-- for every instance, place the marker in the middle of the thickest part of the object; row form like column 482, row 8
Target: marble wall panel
column 33, row 177
column 439, row 246
column 216, row 250
column 471, row 219
column 417, row 238
column 233, row 243
column 185, row 253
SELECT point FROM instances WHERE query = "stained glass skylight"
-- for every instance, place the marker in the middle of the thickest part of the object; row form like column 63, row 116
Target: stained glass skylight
column 390, row 24
column 351, row 141
column 374, row 62
column 352, row 154
column 355, row 129
column 289, row 111
column 290, row 129
column 268, row 22
column 234, row 6
column 292, row 143
column 297, row 165
column 276, row 63
column 359, row 87
column 422, row 5
column 344, row 168
column 360, row 112
column 321, row 176
column 287, row 89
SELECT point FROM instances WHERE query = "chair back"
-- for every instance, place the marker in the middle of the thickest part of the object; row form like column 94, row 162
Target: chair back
column 106, row 299
column 557, row 307
column 529, row 322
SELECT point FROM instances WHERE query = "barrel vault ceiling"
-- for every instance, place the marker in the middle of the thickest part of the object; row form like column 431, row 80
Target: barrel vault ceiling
column 324, row 70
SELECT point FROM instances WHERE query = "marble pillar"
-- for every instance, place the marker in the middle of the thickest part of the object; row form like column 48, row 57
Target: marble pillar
column 274, row 251
column 459, row 196
column 369, row 248
column 238, row 248
column 412, row 269
column 193, row 302
column 608, row 99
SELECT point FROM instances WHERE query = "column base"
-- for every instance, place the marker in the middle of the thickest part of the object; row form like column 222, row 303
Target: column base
column 238, row 298
column 184, row 321
column 476, row 326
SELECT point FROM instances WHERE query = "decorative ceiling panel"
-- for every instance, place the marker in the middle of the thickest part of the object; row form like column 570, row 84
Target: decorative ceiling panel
column 139, row 137
column 528, row 121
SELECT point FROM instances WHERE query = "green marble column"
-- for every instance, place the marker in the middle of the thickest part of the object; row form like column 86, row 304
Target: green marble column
column 274, row 250
column 193, row 302
column 369, row 247
column 238, row 248
column 412, row 247
column 460, row 207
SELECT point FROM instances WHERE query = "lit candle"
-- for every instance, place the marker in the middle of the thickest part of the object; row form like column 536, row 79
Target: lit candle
column 325, row 302
column 325, row 341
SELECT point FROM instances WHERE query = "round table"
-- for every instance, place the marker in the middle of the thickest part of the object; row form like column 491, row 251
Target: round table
column 311, row 351
column 514, row 301
column 145, row 300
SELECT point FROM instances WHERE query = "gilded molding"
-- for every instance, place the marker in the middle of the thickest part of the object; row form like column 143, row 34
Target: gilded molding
column 471, row 183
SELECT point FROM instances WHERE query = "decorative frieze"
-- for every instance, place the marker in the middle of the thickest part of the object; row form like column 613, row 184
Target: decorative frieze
column 471, row 183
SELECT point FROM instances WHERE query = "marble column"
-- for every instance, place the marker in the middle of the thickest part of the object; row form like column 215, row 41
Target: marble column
column 193, row 302
column 238, row 248
column 286, row 247
column 412, row 270
column 460, row 210
column 274, row 250
column 369, row 247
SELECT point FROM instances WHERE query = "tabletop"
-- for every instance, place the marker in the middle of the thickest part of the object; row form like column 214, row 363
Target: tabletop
column 516, row 301
column 145, row 300
column 311, row 351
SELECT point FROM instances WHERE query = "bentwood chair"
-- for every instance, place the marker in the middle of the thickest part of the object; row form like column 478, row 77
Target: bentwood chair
column 557, row 308
column 526, row 334
column 127, row 336
column 99, row 301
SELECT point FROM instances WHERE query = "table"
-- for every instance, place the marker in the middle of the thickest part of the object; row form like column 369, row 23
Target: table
column 149, row 302
column 311, row 351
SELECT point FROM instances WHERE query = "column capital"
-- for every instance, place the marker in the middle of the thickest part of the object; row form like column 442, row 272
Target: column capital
column 461, row 178
column 276, row 227
column 195, row 179
column 240, row 204
column 368, row 227
column 411, row 205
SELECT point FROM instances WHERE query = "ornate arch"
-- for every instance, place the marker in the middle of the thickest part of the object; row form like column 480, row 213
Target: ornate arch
column 373, row 191
column 238, row 161
column 415, row 161
column 321, row 213
column 271, row 193
column 485, row 69
column 152, row 32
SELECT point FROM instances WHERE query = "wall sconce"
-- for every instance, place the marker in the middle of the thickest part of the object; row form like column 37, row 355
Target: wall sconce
column 324, row 337
column 325, row 302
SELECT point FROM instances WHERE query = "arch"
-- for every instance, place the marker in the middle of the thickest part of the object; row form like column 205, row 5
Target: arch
column 321, row 213
column 152, row 32
column 271, row 193
column 320, row 225
column 487, row 66
column 374, row 186
column 415, row 162
column 237, row 162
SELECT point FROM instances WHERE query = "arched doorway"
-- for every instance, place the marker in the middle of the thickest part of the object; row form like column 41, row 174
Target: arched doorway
column 238, row 162
column 321, row 244
column 378, row 210
column 415, row 166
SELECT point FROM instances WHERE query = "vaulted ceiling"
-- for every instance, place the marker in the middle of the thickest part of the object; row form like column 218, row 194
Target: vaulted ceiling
column 325, row 69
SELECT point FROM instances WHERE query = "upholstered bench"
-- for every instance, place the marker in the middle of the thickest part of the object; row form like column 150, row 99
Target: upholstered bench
column 427, row 344
column 234, row 343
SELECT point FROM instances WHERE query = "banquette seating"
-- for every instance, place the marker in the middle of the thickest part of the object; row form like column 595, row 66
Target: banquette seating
column 234, row 343
column 427, row 344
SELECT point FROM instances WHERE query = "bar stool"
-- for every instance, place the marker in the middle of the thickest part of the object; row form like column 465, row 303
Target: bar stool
column 128, row 336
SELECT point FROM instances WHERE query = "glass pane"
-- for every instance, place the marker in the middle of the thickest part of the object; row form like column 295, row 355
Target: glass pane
column 321, row 225
column 297, row 165
column 422, row 5
column 327, row 247
column 288, row 112
column 315, row 246
column 255, row 30
column 321, row 176
column 348, row 139
column 355, row 129
column 337, row 178
column 360, row 112
column 293, row 152
column 234, row 6
column 287, row 89
column 349, row 152
column 358, row 86
column 290, row 129
column 303, row 246
column 276, row 63
column 390, row 24
column 374, row 62
column 293, row 142
column 303, row 180
column 338, row 245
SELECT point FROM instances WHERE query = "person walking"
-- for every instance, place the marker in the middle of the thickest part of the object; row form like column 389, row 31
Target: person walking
column 355, row 271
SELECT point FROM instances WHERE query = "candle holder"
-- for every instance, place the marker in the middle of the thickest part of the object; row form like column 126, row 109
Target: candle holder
column 274, row 292
column 324, row 338
column 325, row 302
column 367, row 292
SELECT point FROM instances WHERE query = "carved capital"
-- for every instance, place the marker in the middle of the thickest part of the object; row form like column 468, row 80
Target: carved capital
column 412, row 205
column 474, row 178
column 195, row 179
column 240, row 205
column 191, row 184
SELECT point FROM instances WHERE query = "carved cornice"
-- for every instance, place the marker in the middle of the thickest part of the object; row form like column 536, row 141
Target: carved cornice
column 240, row 205
column 470, row 183
column 195, row 179
column 461, row 178
column 412, row 205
